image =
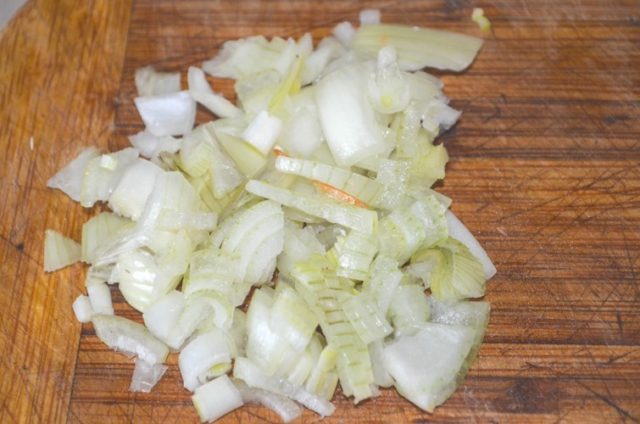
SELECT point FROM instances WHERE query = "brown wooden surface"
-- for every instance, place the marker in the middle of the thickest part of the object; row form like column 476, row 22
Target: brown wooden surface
column 545, row 170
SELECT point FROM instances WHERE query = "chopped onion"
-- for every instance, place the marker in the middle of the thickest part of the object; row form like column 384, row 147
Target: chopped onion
column 345, row 33
column 146, row 376
column 167, row 114
column 251, row 374
column 315, row 186
column 59, row 251
column 150, row 82
column 100, row 298
column 82, row 309
column 418, row 47
column 69, row 179
column 161, row 316
column 408, row 309
column 344, row 214
column 202, row 93
column 347, row 117
column 287, row 409
column 129, row 197
column 477, row 16
column 216, row 399
column 150, row 146
column 102, row 174
column 97, row 230
column 424, row 366
column 263, row 131
column 256, row 238
column 205, row 356
column 458, row 231
column 129, row 337
column 369, row 16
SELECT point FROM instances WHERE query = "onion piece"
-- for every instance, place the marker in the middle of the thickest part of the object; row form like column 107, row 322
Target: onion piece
column 384, row 277
column 102, row 174
column 82, row 309
column 130, row 196
column 256, row 238
column 251, row 374
column 150, row 82
column 100, row 298
column 129, row 337
column 263, row 131
column 345, row 33
column 418, row 47
column 98, row 230
column 69, row 178
column 361, row 187
column 323, row 378
column 161, row 316
column 146, row 376
column 380, row 375
column 150, row 146
column 347, row 117
column 477, row 16
column 59, row 251
column 167, row 114
column 366, row 318
column 369, row 16
column 424, row 366
column 287, row 409
column 202, row 93
column 458, row 231
column 340, row 213
column 408, row 309
column 314, row 66
column 205, row 356
column 216, row 399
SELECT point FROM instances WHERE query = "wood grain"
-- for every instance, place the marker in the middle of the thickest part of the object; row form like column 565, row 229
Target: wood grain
column 60, row 68
column 545, row 170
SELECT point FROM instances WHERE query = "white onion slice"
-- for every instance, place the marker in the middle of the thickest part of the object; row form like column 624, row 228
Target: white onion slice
column 287, row 409
column 206, row 354
column 263, row 131
column 161, row 317
column 167, row 114
column 458, row 231
column 150, row 82
column 59, row 251
column 130, row 196
column 100, row 298
column 82, row 309
column 251, row 374
column 129, row 337
column 345, row 33
column 202, row 93
column 369, row 16
column 146, row 376
column 69, row 178
column 150, row 146
column 216, row 399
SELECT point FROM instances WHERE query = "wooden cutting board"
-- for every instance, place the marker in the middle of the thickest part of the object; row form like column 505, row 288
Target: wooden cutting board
column 545, row 170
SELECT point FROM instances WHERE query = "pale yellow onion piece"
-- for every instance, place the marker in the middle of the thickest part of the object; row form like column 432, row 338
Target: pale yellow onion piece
column 99, row 229
column 418, row 47
column 478, row 17
column 82, row 309
column 202, row 93
column 59, row 251
column 216, row 399
column 353, row 217
column 127, row 336
column 150, row 82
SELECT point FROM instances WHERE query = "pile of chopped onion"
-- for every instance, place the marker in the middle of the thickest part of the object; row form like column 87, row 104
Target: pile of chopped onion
column 289, row 245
